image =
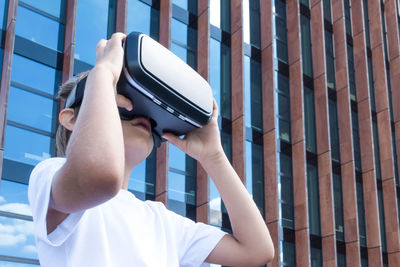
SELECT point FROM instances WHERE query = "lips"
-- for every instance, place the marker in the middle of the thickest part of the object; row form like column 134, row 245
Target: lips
column 142, row 122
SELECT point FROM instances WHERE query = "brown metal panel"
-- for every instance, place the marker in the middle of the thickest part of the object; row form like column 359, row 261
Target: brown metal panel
column 353, row 256
column 7, row 63
column 121, row 15
column 274, row 230
column 300, row 198
column 384, row 130
column 236, row 16
column 323, row 138
column 69, row 41
column 203, row 33
column 366, row 136
column 162, row 151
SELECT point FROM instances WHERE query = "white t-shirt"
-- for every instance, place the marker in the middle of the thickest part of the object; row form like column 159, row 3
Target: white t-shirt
column 124, row 231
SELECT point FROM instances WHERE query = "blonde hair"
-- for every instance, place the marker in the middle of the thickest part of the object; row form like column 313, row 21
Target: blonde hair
column 63, row 134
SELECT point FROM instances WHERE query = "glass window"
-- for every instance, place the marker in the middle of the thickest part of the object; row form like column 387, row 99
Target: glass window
column 91, row 26
column 306, row 46
column 327, row 10
column 40, row 29
column 316, row 257
column 215, row 70
column 289, row 254
column 17, row 238
column 53, row 7
column 305, row 2
column 182, row 194
column 334, row 130
column 31, row 109
column 252, row 93
column 352, row 77
column 177, row 158
column 286, row 185
column 39, row 76
column 251, row 22
column 356, row 141
column 309, row 114
column 347, row 14
column 14, row 198
column 366, row 23
column 3, row 13
column 330, row 60
column 189, row 5
column 361, row 214
column 143, row 18
column 338, row 201
column 26, row 146
column 313, row 200
column 215, row 13
column 382, row 220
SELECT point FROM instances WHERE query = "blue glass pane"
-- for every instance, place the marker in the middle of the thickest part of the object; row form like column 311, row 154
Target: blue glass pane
column 40, row 29
column 137, row 179
column 14, row 198
column 34, row 74
column 3, row 13
column 90, row 28
column 17, row 238
column 142, row 18
column 215, row 203
column 53, row 7
column 25, row 146
column 176, row 158
column 215, row 70
column 247, row 88
column 249, row 167
column 15, row 264
column 179, row 51
column 30, row 109
column 176, row 187
column 179, row 31
column 182, row 3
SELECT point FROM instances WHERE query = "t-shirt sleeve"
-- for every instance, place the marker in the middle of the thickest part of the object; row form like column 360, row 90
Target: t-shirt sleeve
column 195, row 240
column 39, row 192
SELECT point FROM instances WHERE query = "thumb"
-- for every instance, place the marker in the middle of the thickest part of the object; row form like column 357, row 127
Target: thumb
column 175, row 140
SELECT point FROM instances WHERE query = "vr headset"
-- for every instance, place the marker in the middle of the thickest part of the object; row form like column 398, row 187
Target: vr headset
column 162, row 87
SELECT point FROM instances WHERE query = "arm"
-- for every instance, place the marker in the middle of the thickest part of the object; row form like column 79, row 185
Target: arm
column 94, row 169
column 251, row 244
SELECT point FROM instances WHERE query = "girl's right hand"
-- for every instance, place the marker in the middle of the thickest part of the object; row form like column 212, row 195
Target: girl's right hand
column 110, row 54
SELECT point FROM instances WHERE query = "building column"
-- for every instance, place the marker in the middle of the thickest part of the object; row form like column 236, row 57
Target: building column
column 6, row 71
column 366, row 136
column 120, row 18
column 299, row 160
column 385, row 134
column 353, row 257
column 162, row 151
column 269, row 128
column 394, row 65
column 203, row 33
column 328, row 233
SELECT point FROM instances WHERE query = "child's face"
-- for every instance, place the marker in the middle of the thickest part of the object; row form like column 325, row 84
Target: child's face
column 138, row 139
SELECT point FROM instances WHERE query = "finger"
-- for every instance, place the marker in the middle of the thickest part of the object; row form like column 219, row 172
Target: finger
column 124, row 102
column 175, row 140
column 117, row 38
column 100, row 48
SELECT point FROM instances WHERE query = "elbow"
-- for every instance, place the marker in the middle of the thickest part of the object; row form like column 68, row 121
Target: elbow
column 264, row 256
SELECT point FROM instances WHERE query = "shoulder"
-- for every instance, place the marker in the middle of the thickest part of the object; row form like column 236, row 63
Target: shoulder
column 46, row 164
column 44, row 171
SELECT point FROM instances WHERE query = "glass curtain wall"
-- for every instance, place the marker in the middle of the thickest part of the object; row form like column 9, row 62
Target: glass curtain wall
column 220, row 81
column 90, row 28
column 31, row 120
column 334, row 133
column 310, row 132
column 284, row 144
column 182, row 168
column 145, row 18
column 254, row 178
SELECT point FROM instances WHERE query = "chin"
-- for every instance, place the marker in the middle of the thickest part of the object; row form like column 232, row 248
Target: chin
column 138, row 148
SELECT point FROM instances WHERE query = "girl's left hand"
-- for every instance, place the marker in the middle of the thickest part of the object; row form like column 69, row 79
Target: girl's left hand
column 203, row 144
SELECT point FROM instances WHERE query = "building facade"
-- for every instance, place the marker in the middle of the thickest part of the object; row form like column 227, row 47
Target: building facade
column 309, row 115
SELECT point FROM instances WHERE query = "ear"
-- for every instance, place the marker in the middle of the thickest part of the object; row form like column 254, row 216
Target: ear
column 67, row 118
